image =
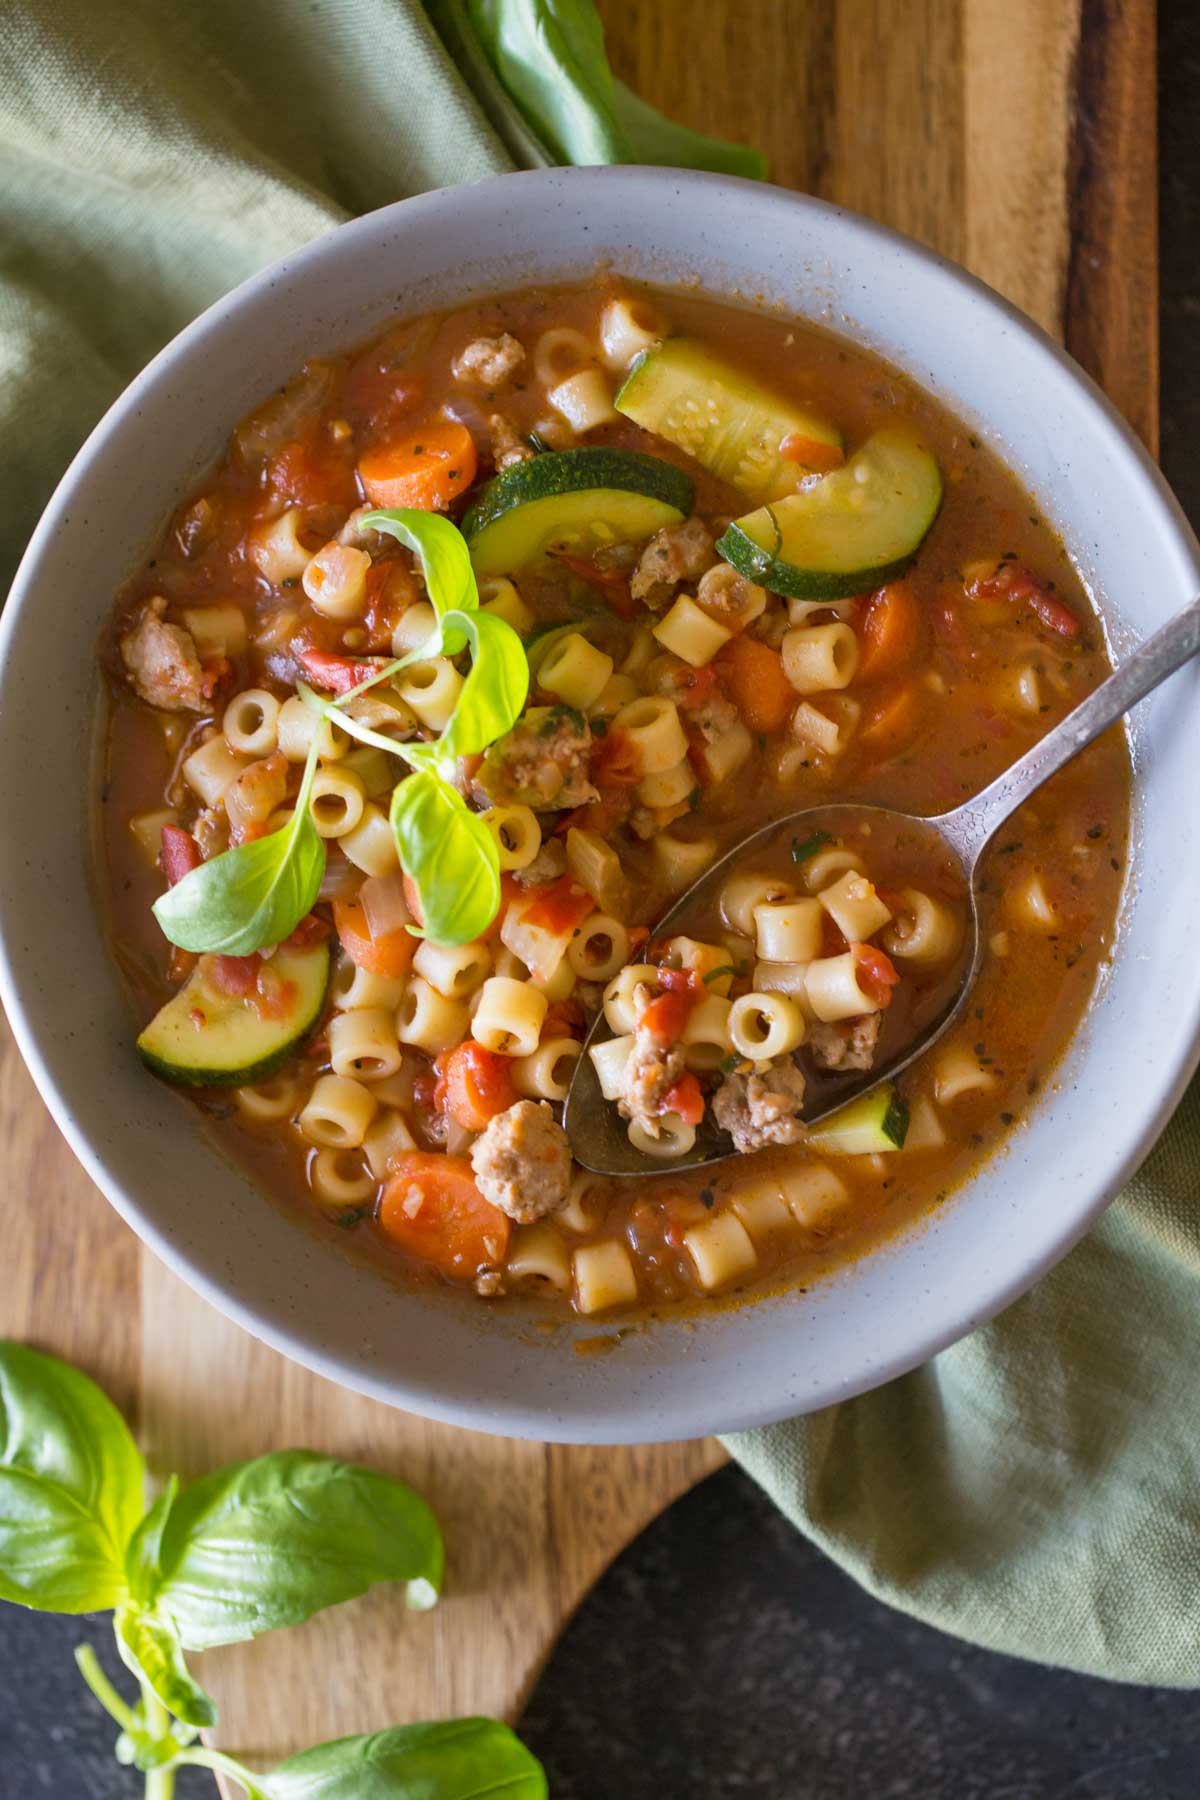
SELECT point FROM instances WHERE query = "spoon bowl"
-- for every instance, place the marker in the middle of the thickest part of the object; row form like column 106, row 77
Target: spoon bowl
column 597, row 1131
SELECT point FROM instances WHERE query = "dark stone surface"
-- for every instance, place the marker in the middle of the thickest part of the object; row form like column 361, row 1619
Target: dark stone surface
column 722, row 1655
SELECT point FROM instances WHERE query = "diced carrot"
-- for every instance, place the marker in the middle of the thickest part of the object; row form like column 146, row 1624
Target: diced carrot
column 756, row 683
column 180, row 853
column 432, row 1208
column 686, row 1098
column 388, row 955
column 876, row 973
column 894, row 719
column 559, row 906
column 427, row 468
column 811, row 452
column 889, row 632
column 473, row 1085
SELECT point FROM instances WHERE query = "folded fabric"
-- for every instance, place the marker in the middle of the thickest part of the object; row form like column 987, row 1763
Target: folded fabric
column 1036, row 1488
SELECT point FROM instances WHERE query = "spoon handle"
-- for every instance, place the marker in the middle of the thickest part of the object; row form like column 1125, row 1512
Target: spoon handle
column 972, row 826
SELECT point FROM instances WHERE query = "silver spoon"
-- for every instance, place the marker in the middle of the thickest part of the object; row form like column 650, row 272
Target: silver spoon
column 597, row 1131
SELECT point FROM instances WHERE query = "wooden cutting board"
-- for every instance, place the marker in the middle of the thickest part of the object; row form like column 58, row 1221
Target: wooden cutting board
column 1016, row 136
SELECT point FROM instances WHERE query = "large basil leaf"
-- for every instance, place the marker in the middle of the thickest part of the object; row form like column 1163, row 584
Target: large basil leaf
column 550, row 58
column 270, row 1542
column 150, row 1648
column 70, row 1486
column 463, row 1759
column 450, row 854
column 490, row 701
column 253, row 895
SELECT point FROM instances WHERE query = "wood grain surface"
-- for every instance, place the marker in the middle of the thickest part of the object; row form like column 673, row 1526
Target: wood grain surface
column 1014, row 135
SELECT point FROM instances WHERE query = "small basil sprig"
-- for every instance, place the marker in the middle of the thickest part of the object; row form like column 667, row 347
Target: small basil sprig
column 252, row 1547
column 256, row 894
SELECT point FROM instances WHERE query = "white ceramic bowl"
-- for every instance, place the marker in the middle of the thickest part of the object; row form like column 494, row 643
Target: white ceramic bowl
column 144, row 1145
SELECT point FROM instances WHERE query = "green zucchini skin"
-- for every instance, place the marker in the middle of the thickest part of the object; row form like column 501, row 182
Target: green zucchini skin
column 239, row 1048
column 585, row 498
column 727, row 420
column 876, row 1122
column 821, row 545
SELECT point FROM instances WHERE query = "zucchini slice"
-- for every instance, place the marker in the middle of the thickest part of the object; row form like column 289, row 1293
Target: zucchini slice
column 878, row 1121
column 205, row 1038
column 729, row 422
column 848, row 533
column 575, row 500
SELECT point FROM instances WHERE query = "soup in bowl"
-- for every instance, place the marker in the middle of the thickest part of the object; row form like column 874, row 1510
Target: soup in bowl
column 431, row 687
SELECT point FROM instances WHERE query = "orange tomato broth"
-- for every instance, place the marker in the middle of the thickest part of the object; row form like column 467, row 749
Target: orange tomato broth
column 941, row 716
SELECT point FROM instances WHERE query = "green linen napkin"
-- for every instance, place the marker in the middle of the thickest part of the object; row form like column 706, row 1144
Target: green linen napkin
column 1036, row 1488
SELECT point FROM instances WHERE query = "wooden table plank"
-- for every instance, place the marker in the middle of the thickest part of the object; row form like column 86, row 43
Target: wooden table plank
column 1013, row 134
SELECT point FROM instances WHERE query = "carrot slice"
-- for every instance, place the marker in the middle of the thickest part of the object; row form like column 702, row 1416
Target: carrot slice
column 889, row 632
column 473, row 1085
column 894, row 720
column 388, row 955
column 432, row 1208
column 756, row 683
column 427, row 468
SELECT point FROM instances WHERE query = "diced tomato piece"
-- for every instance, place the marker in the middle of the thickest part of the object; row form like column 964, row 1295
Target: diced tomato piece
column 561, row 906
column 616, row 760
column 473, row 1085
column 309, row 474
column 235, row 975
column 832, row 941
column 565, row 1018
column 668, row 1013
column 337, row 674
column 697, row 687
column 1014, row 581
column 180, row 853
column 876, row 973
column 609, row 582
column 686, row 1098
column 432, row 1208
column 814, row 454
column 312, row 929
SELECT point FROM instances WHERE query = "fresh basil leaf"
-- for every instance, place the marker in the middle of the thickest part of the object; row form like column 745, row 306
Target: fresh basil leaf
column 70, row 1486
column 270, row 1542
column 550, row 58
column 450, row 854
column 460, row 1759
column 253, row 895
column 142, row 1567
column 646, row 136
column 442, row 552
column 497, row 684
column 151, row 1650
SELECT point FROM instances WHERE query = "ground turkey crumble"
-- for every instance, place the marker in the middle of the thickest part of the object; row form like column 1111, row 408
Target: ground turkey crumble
column 674, row 554
column 757, row 1110
column 850, row 1046
column 650, row 1074
column 163, row 665
column 522, row 1162
column 508, row 447
column 489, row 362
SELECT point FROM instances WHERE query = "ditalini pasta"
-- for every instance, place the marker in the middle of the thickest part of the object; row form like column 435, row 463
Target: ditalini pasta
column 693, row 539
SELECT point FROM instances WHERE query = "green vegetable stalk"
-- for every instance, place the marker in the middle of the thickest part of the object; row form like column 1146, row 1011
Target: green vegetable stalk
column 249, row 1548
